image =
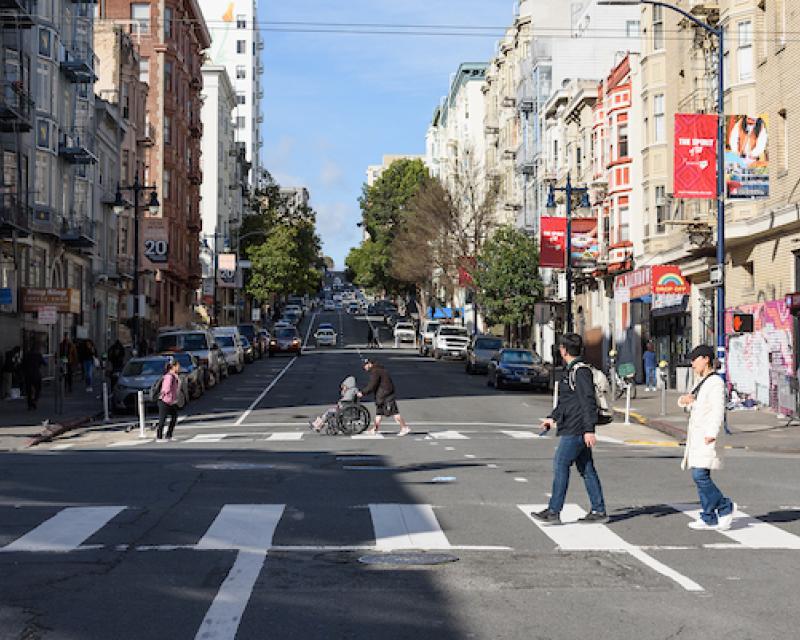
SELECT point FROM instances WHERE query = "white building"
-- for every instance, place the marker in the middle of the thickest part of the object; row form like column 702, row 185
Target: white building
column 237, row 45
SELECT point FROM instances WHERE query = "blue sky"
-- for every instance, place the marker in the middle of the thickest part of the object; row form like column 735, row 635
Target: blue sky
column 335, row 104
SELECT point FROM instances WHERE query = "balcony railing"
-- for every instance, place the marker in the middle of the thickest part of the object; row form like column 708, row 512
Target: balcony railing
column 17, row 13
column 16, row 107
column 195, row 176
column 196, row 128
column 147, row 137
column 14, row 215
column 77, row 147
column 77, row 231
column 78, row 63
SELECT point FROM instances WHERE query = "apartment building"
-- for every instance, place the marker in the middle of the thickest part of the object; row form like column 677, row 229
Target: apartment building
column 123, row 91
column 171, row 37
column 49, row 164
column 236, row 44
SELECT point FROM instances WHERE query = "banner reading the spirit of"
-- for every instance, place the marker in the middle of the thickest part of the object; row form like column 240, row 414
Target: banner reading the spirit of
column 746, row 157
column 585, row 243
column 553, row 245
column 695, row 156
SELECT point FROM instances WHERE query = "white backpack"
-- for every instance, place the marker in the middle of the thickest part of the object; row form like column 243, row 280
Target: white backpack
column 602, row 391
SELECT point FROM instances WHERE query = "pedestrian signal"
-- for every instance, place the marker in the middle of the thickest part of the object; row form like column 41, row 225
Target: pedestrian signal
column 743, row 323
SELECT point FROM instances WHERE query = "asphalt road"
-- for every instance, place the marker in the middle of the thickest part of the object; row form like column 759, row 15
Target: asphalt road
column 251, row 526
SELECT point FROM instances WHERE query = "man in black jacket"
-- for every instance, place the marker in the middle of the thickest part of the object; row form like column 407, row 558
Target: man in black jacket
column 576, row 417
column 380, row 383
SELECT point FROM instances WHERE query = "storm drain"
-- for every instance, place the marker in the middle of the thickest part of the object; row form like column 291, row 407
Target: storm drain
column 408, row 559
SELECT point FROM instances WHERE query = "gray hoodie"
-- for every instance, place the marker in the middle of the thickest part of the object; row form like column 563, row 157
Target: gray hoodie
column 349, row 389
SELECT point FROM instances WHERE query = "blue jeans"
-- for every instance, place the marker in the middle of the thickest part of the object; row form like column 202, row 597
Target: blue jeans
column 650, row 378
column 572, row 449
column 88, row 372
column 711, row 499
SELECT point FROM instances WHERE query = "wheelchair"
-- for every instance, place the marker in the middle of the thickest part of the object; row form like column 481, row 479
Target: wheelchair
column 350, row 420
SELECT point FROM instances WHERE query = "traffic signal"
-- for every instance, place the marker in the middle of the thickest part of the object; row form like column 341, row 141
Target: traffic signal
column 743, row 323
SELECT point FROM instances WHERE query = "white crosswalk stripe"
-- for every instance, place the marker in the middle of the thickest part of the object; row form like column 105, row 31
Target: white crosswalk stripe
column 66, row 530
column 520, row 435
column 574, row 536
column 243, row 526
column 204, row 438
column 448, row 435
column 407, row 526
column 748, row 531
column 287, row 436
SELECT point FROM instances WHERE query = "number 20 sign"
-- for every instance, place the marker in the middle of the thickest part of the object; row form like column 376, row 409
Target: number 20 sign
column 155, row 244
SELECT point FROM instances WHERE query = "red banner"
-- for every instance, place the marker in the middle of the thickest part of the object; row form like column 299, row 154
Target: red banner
column 553, row 245
column 668, row 279
column 695, row 156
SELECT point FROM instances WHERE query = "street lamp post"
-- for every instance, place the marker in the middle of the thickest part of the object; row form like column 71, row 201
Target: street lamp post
column 569, row 191
column 719, row 32
column 119, row 207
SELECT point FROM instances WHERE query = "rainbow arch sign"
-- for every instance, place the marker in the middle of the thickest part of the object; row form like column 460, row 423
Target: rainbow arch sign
column 668, row 279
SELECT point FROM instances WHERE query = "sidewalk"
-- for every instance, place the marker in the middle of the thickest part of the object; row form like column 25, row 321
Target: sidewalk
column 79, row 403
column 760, row 430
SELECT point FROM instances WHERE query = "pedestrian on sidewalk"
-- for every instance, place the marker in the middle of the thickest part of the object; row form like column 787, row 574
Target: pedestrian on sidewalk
column 371, row 341
column 650, row 367
column 381, row 384
column 32, row 363
column 702, row 452
column 11, row 369
column 576, row 416
column 68, row 355
column 116, row 356
column 88, row 358
column 168, row 400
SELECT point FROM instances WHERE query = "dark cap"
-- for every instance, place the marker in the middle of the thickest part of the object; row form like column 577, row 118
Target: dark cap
column 702, row 351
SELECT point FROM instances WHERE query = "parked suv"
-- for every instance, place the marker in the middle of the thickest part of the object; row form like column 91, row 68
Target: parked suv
column 450, row 342
column 427, row 333
column 197, row 342
column 230, row 341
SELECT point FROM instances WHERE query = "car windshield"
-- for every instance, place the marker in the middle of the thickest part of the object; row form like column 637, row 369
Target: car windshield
column 287, row 333
column 431, row 327
column 405, row 325
column 145, row 367
column 184, row 358
column 487, row 344
column 521, row 357
column 186, row 341
column 245, row 342
column 247, row 330
column 325, row 332
column 224, row 341
column 453, row 331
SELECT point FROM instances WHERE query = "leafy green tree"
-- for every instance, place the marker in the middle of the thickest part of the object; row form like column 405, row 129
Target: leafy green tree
column 283, row 263
column 507, row 277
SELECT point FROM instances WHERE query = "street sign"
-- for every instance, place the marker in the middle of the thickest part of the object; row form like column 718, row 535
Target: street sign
column 5, row 295
column 715, row 275
column 255, row 314
column 743, row 322
column 48, row 315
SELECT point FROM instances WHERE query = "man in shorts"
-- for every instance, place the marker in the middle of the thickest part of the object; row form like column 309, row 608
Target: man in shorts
column 380, row 383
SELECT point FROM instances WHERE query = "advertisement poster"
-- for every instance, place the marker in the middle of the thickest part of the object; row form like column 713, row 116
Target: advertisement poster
column 585, row 243
column 227, row 272
column 695, row 156
column 155, row 240
column 746, row 157
column 552, row 252
column 668, row 280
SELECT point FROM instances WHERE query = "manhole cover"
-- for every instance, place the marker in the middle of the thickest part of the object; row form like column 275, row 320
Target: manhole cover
column 403, row 559
column 233, row 466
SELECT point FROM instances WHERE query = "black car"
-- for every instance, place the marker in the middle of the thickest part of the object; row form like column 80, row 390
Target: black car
column 518, row 368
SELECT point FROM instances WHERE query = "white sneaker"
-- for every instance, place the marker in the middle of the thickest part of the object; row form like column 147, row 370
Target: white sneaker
column 725, row 521
column 161, row 440
column 699, row 525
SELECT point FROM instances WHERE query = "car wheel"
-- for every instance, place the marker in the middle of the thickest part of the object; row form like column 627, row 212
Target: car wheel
column 468, row 368
column 498, row 383
column 489, row 382
column 241, row 368
column 181, row 400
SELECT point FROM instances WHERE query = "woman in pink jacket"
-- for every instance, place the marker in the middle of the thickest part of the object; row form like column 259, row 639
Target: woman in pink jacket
column 168, row 400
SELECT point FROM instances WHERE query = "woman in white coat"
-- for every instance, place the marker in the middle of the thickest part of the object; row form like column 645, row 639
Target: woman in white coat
column 703, row 451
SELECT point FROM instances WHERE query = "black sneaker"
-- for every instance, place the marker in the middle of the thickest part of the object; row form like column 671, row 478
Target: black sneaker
column 546, row 516
column 597, row 517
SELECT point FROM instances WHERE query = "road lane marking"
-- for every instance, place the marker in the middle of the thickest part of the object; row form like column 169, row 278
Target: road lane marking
column 520, row 479
column 263, row 394
column 66, row 530
column 203, row 438
column 574, row 536
column 749, row 532
column 62, row 447
column 367, row 436
column 286, row 436
column 407, row 526
column 131, row 443
column 520, row 435
column 243, row 526
column 310, row 327
column 448, row 435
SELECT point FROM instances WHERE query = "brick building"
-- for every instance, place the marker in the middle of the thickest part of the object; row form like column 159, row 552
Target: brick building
column 171, row 36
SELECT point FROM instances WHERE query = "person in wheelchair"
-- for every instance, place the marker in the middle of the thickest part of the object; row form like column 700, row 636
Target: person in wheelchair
column 349, row 396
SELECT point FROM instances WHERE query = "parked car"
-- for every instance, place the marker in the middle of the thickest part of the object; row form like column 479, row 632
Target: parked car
column 143, row 374
column 191, row 370
column 292, row 317
column 230, row 341
column 198, row 343
column 329, row 305
column 518, row 367
column 249, row 331
column 405, row 332
column 450, row 342
column 248, row 350
column 481, row 350
column 285, row 340
column 262, row 342
column 427, row 334
column 353, row 308
column 325, row 337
